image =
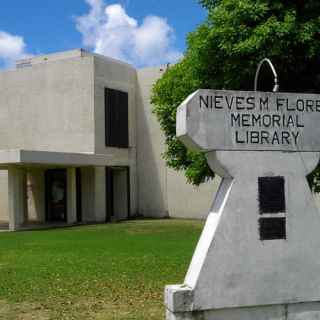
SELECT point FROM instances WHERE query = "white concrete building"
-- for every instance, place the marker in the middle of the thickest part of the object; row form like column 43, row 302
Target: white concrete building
column 79, row 144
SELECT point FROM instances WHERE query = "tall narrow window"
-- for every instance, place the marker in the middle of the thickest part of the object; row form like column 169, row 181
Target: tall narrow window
column 116, row 119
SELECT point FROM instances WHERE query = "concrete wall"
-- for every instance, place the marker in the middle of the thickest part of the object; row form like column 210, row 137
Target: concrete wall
column 48, row 107
column 187, row 201
column 162, row 191
column 151, row 167
column 109, row 73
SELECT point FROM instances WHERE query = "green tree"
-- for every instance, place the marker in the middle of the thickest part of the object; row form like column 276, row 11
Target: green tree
column 223, row 53
column 208, row 4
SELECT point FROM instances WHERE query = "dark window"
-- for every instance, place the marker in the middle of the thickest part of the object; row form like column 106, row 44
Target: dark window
column 272, row 228
column 109, row 194
column 79, row 194
column 56, row 195
column 271, row 195
column 116, row 118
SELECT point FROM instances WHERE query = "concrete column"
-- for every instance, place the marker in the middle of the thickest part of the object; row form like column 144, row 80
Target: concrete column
column 36, row 195
column 4, row 208
column 17, row 196
column 120, row 197
column 93, row 186
column 100, row 194
column 87, row 189
column 71, row 196
column 133, row 190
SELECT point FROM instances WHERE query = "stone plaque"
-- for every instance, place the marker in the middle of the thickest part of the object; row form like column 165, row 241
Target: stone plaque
column 239, row 120
column 271, row 195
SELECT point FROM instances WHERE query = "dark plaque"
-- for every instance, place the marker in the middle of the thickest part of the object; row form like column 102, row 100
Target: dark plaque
column 272, row 228
column 271, row 195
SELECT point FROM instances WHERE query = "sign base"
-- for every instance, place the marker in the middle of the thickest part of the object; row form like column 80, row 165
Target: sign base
column 258, row 254
column 299, row 311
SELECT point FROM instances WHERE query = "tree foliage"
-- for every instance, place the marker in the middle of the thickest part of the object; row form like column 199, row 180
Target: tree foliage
column 208, row 4
column 223, row 53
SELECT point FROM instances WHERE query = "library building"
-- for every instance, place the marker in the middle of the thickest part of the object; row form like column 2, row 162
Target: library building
column 79, row 144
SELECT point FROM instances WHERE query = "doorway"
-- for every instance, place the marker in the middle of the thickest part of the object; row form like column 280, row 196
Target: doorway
column 117, row 193
column 56, row 195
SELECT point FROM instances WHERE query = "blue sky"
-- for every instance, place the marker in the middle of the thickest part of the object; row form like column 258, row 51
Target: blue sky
column 141, row 32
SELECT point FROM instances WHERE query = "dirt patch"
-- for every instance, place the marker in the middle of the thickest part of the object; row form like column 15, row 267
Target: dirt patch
column 83, row 309
column 22, row 311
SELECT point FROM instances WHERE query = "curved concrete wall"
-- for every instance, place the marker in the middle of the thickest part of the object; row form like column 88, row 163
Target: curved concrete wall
column 162, row 191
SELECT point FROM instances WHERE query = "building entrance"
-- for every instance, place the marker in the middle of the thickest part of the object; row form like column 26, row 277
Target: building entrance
column 118, row 193
column 56, row 195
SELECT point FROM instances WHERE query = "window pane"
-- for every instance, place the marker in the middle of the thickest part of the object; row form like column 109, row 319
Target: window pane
column 116, row 118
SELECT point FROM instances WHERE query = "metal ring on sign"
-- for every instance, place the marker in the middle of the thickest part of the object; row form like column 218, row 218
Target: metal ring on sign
column 276, row 84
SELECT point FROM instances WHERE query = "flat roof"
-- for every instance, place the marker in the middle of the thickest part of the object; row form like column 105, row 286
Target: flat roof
column 63, row 55
column 42, row 158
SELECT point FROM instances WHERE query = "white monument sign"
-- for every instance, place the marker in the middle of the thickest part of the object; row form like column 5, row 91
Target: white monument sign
column 258, row 256
column 236, row 120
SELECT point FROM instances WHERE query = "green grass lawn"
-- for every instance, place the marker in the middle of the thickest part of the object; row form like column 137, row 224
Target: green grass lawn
column 114, row 271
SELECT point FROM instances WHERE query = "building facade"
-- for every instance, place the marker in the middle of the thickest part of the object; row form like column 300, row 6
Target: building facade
column 79, row 144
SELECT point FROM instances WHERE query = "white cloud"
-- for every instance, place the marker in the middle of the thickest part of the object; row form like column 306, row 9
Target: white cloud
column 110, row 31
column 12, row 48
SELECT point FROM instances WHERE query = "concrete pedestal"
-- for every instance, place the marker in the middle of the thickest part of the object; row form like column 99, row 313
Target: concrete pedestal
column 237, row 274
column 300, row 311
